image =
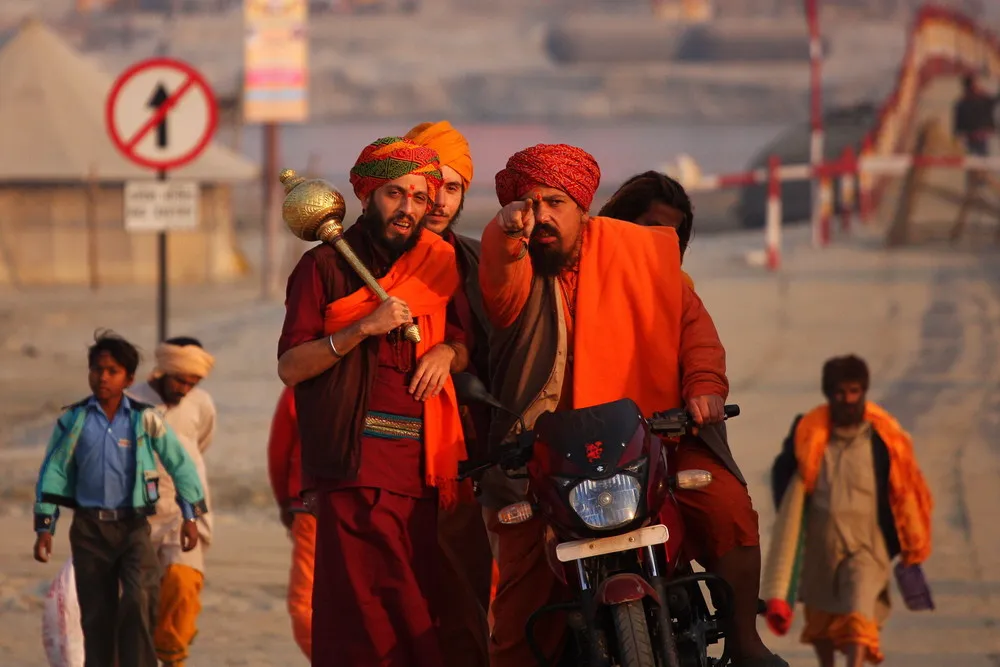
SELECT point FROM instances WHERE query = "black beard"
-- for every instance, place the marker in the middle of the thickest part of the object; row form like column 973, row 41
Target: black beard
column 378, row 228
column 548, row 260
column 847, row 415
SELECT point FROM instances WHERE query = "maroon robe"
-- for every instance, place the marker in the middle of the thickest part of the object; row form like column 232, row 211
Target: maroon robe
column 377, row 555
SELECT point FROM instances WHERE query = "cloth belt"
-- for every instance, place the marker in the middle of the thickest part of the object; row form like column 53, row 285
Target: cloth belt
column 392, row 427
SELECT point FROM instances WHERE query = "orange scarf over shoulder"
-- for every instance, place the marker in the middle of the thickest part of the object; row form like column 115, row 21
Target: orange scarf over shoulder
column 425, row 278
column 909, row 496
column 627, row 321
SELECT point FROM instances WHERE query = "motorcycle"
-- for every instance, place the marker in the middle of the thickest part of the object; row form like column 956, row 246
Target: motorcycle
column 605, row 485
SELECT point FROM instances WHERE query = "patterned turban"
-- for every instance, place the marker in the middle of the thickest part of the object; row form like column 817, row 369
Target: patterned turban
column 389, row 158
column 451, row 146
column 567, row 168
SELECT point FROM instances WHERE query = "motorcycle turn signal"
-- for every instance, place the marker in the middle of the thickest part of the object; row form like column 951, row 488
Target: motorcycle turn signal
column 516, row 513
column 688, row 480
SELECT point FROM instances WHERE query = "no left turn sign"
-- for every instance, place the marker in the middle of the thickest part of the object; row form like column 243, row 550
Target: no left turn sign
column 161, row 113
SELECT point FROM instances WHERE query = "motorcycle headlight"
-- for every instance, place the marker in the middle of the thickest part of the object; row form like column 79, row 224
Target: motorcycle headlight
column 606, row 503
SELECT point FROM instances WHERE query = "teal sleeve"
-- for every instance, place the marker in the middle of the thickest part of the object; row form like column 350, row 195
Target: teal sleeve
column 181, row 469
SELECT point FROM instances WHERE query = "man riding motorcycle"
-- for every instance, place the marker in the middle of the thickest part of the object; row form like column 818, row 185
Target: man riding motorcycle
column 587, row 311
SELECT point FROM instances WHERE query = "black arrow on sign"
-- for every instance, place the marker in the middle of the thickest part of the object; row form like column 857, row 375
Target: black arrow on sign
column 158, row 99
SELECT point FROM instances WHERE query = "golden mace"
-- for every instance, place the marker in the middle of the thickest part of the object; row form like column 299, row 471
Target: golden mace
column 314, row 211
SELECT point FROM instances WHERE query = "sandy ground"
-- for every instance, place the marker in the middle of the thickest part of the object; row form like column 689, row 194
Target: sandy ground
column 926, row 319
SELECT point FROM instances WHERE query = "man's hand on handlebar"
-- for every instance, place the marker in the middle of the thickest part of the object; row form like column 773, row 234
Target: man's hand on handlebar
column 707, row 409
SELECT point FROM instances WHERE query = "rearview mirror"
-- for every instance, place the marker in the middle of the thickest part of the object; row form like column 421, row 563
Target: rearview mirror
column 470, row 389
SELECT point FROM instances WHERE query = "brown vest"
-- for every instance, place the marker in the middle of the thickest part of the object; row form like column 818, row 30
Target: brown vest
column 331, row 406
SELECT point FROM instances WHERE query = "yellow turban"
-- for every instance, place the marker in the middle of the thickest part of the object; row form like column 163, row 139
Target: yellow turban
column 182, row 360
column 449, row 144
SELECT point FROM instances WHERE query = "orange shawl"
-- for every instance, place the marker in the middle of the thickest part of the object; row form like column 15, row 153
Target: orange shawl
column 627, row 324
column 909, row 497
column 425, row 278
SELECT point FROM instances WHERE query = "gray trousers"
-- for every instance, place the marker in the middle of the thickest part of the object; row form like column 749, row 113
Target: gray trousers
column 118, row 587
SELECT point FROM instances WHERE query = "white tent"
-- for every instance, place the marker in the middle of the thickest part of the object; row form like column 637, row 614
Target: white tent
column 61, row 179
column 52, row 119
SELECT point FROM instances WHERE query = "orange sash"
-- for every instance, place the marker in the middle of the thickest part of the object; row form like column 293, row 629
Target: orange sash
column 909, row 497
column 627, row 324
column 425, row 278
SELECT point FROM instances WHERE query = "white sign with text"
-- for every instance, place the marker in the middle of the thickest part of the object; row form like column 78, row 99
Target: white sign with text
column 161, row 206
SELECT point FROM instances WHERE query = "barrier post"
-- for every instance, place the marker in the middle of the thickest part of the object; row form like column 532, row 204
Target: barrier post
column 816, row 131
column 865, row 182
column 822, row 233
column 772, row 228
column 848, row 173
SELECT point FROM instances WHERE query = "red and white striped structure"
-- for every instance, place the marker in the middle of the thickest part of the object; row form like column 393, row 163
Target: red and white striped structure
column 941, row 43
column 817, row 135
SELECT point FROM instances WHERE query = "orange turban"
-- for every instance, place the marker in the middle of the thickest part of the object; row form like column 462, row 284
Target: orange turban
column 389, row 158
column 451, row 145
column 567, row 168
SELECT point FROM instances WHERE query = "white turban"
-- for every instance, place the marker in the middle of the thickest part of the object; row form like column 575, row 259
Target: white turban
column 182, row 360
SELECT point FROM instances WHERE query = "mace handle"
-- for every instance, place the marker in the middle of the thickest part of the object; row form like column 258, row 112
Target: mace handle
column 410, row 331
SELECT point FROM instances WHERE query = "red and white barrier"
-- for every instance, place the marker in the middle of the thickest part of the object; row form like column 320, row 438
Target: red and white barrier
column 772, row 226
column 846, row 171
column 941, row 42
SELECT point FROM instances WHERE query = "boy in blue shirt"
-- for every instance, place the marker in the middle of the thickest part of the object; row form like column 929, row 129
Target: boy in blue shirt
column 100, row 462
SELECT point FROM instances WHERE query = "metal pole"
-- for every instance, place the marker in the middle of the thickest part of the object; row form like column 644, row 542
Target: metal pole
column 161, row 246
column 816, row 137
column 93, row 193
column 272, row 216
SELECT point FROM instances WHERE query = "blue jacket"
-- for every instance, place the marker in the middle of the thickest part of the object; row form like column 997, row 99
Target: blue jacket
column 57, row 478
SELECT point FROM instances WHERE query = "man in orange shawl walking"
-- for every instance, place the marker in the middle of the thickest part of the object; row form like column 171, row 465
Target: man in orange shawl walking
column 867, row 502
column 284, row 470
column 588, row 310
column 380, row 430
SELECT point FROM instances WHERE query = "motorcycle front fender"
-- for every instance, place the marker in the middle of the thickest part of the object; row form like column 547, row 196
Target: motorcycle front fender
column 622, row 588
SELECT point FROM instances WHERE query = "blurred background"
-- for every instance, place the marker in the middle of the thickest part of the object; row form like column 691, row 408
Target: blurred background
column 693, row 87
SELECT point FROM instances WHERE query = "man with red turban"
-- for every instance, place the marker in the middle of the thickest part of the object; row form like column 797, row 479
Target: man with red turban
column 461, row 531
column 552, row 278
column 381, row 435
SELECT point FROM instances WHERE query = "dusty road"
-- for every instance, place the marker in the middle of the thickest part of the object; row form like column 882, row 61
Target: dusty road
column 927, row 320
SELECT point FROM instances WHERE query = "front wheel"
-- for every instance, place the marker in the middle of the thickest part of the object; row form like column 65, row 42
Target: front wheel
column 634, row 647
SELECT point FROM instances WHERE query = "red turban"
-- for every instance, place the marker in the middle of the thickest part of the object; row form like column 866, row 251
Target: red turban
column 567, row 168
column 389, row 158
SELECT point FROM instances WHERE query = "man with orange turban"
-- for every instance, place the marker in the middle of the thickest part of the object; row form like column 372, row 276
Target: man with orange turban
column 380, row 430
column 462, row 531
column 552, row 278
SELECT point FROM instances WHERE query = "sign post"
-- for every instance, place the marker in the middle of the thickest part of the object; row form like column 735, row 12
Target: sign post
column 161, row 114
column 275, row 90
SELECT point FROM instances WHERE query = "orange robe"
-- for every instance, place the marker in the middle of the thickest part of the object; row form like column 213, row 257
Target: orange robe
column 606, row 367
column 284, row 466
column 378, row 562
column 909, row 496
column 180, row 604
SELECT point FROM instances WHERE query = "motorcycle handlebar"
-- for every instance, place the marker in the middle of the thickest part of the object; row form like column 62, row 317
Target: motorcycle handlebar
column 678, row 422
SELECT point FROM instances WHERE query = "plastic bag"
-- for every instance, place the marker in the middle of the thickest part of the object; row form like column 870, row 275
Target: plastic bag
column 62, row 634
